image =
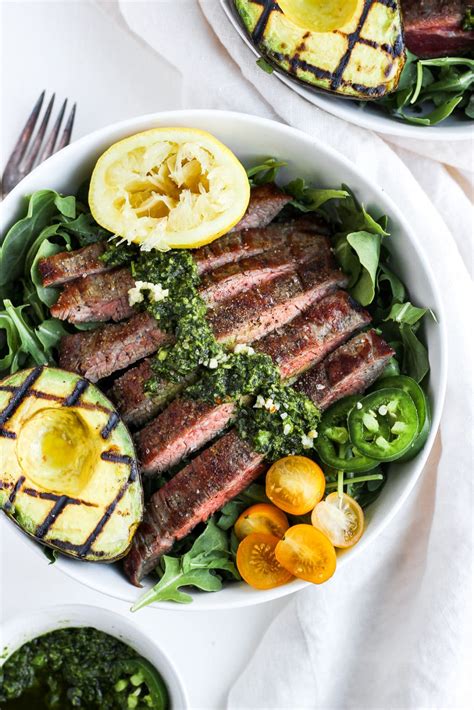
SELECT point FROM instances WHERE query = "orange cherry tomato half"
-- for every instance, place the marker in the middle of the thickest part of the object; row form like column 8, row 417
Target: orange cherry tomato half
column 340, row 518
column 307, row 554
column 295, row 484
column 257, row 563
column 261, row 518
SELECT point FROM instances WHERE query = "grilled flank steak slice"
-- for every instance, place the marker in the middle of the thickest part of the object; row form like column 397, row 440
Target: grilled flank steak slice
column 227, row 467
column 186, row 425
column 98, row 353
column 69, row 265
column 349, row 370
column 265, row 203
column 110, row 348
column 433, row 28
column 103, row 297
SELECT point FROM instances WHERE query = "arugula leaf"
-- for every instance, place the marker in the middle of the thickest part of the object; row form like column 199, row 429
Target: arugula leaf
column 468, row 19
column 44, row 208
column 29, row 342
column 366, row 245
column 50, row 554
column 86, row 230
column 265, row 172
column 195, row 568
column 310, row 199
column 255, row 493
column 168, row 588
column 263, row 64
column 415, row 361
column 406, row 313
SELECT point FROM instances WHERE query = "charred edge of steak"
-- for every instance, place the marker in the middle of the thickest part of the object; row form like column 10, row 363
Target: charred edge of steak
column 98, row 353
column 185, row 425
column 266, row 201
column 348, row 370
column 69, row 265
column 216, row 476
column 96, row 298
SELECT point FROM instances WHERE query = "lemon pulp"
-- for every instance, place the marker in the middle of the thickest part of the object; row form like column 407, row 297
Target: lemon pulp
column 169, row 187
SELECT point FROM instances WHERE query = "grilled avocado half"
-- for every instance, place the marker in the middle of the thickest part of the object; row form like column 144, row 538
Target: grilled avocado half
column 68, row 470
column 353, row 48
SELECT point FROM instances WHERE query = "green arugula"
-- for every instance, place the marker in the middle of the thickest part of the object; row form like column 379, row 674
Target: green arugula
column 430, row 90
column 199, row 567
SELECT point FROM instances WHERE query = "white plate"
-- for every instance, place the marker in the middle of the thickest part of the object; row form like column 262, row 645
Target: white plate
column 24, row 628
column 364, row 115
column 250, row 138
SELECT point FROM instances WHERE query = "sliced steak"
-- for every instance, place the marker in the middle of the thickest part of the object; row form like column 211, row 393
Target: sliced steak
column 226, row 468
column 68, row 265
column 266, row 201
column 227, row 281
column 250, row 242
column 433, row 28
column 254, row 313
column 96, row 298
column 103, row 297
column 259, row 311
column 348, row 370
column 185, row 426
column 98, row 353
column 134, row 404
column 196, row 492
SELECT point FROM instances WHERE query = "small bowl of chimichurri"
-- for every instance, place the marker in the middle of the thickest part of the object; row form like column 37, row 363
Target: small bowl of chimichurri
column 84, row 657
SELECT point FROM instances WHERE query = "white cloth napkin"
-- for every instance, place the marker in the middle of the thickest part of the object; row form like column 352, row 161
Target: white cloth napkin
column 390, row 630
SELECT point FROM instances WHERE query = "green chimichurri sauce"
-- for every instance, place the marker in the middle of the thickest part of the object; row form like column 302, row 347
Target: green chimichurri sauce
column 247, row 378
column 79, row 668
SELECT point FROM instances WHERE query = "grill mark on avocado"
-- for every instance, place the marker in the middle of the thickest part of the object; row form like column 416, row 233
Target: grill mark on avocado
column 110, row 426
column 7, row 434
column 32, row 392
column 82, row 550
column 45, row 495
column 352, row 39
column 336, row 77
column 20, row 395
column 50, row 519
column 80, row 387
column 11, row 498
column 268, row 7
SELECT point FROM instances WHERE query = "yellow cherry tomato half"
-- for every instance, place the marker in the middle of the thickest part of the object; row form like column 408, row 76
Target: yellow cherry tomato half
column 307, row 553
column 340, row 518
column 295, row 484
column 257, row 563
column 261, row 518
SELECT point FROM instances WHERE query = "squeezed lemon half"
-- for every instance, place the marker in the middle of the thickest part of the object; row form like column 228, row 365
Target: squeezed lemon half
column 169, row 188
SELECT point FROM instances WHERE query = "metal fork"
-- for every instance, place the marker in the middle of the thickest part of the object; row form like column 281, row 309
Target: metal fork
column 26, row 156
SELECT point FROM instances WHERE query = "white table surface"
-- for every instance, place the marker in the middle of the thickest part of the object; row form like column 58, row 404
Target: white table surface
column 73, row 47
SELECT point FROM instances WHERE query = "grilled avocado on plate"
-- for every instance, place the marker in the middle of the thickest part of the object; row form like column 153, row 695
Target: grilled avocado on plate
column 68, row 471
column 353, row 48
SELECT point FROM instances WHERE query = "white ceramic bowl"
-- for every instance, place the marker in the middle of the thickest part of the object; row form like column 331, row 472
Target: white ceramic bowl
column 250, row 138
column 24, row 628
column 365, row 115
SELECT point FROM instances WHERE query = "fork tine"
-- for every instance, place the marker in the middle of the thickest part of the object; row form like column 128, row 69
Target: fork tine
column 22, row 143
column 48, row 148
column 35, row 148
column 66, row 136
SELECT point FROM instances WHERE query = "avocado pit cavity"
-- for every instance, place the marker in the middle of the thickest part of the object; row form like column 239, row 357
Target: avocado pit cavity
column 56, row 451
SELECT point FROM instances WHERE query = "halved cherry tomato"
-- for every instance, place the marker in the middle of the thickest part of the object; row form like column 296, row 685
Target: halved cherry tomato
column 340, row 518
column 261, row 518
column 295, row 484
column 307, row 553
column 257, row 563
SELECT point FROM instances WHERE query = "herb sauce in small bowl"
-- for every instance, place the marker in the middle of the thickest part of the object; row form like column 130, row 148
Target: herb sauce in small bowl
column 80, row 667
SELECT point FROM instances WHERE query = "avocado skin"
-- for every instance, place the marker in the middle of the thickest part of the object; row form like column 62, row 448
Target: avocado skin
column 363, row 61
column 97, row 521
